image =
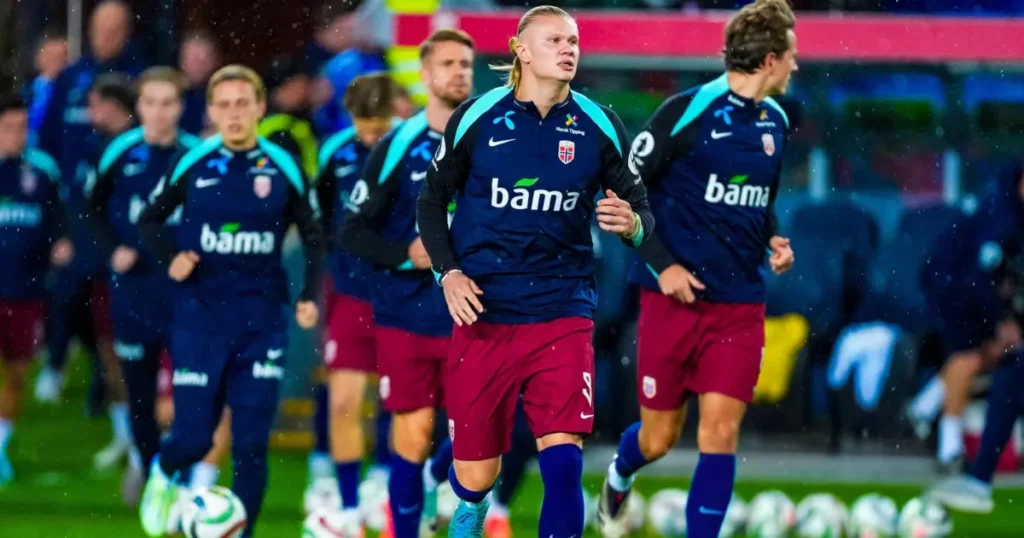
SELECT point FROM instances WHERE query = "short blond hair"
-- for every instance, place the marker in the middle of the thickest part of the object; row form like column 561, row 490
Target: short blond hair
column 162, row 73
column 237, row 72
column 515, row 69
column 444, row 35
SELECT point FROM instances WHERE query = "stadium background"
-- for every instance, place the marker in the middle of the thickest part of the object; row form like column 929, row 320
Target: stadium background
column 902, row 112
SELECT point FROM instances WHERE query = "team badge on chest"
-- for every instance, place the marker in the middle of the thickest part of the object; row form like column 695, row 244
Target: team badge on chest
column 28, row 180
column 769, row 143
column 261, row 186
column 566, row 151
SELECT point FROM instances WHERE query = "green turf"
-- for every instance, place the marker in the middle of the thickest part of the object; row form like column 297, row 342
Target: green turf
column 57, row 494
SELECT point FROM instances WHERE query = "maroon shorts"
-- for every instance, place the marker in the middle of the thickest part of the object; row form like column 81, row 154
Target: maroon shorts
column 21, row 329
column 350, row 339
column 412, row 369
column 685, row 349
column 99, row 306
column 550, row 364
column 165, row 376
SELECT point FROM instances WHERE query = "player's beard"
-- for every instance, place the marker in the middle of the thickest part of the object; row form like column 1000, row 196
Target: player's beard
column 451, row 98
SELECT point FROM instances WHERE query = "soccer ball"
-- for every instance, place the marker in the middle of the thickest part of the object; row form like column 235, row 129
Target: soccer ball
column 735, row 518
column 820, row 516
column 447, row 502
column 873, row 516
column 213, row 512
column 324, row 523
column 322, row 493
column 772, row 515
column 666, row 513
column 636, row 508
column 589, row 509
column 373, row 497
column 924, row 518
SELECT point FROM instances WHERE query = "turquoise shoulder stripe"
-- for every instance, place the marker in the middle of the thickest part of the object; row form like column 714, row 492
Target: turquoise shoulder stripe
column 775, row 104
column 602, row 120
column 333, row 144
column 477, row 109
column 118, row 147
column 193, row 155
column 188, row 140
column 282, row 158
column 404, row 135
column 707, row 93
column 42, row 160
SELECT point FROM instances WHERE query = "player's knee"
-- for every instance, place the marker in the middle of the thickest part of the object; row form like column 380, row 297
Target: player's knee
column 412, row 436
column 477, row 475
column 718, row 435
column 345, row 407
column 657, row 439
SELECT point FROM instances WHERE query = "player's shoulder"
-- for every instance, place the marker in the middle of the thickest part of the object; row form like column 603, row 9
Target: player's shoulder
column 333, row 144
column 469, row 113
column 686, row 107
column 193, row 156
column 284, row 161
column 118, row 147
column 42, row 161
column 606, row 120
column 773, row 108
column 188, row 140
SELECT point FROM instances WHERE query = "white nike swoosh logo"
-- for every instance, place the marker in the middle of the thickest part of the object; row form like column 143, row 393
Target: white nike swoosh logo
column 344, row 170
column 274, row 354
column 419, row 176
column 716, row 135
column 203, row 183
column 492, row 143
column 585, row 416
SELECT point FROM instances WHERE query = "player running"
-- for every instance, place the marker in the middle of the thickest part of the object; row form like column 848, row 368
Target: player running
column 32, row 229
column 350, row 346
column 239, row 194
column 711, row 157
column 413, row 332
column 129, row 170
column 517, row 267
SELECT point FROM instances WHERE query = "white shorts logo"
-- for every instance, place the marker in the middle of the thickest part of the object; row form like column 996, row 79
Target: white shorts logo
column 588, row 391
column 385, row 387
column 330, row 351
column 451, row 430
column 650, row 386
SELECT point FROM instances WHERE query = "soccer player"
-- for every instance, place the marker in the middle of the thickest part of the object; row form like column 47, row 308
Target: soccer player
column 128, row 172
column 32, row 231
column 711, row 157
column 413, row 332
column 239, row 194
column 526, row 162
column 350, row 346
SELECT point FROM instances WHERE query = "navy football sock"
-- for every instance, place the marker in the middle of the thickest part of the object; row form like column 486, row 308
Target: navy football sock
column 561, row 513
column 348, row 482
column 461, row 492
column 1004, row 405
column 321, row 420
column 628, row 459
column 139, row 376
column 710, row 493
column 405, row 487
column 382, row 451
column 441, row 462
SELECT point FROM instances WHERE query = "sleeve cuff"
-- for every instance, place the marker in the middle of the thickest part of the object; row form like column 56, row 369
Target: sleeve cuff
column 406, row 266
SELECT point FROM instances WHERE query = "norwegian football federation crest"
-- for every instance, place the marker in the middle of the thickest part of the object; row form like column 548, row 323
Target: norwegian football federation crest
column 769, row 143
column 29, row 181
column 566, row 151
column 650, row 386
column 261, row 186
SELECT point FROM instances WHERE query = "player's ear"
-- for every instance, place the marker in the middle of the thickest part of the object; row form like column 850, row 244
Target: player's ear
column 262, row 107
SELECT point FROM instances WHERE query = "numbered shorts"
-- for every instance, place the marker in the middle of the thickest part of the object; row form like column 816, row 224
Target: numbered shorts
column 350, row 338
column 21, row 329
column 550, row 364
column 685, row 349
column 412, row 369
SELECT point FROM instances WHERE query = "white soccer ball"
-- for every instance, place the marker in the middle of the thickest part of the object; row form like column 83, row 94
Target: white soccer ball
column 924, row 518
column 735, row 518
column 636, row 508
column 873, row 516
column 213, row 512
column 820, row 515
column 324, row 523
column 772, row 515
column 666, row 513
column 322, row 493
column 373, row 498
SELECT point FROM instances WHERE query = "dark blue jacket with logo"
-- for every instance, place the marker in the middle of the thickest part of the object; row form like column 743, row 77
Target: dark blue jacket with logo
column 711, row 161
column 525, row 189
column 381, row 225
column 237, row 207
column 31, row 219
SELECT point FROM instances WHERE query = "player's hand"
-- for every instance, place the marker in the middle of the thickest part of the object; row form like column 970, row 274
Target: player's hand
column 306, row 314
column 123, row 259
column 615, row 215
column 677, row 282
column 418, row 254
column 1009, row 334
column 782, row 255
column 182, row 265
column 62, row 252
column 460, row 292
